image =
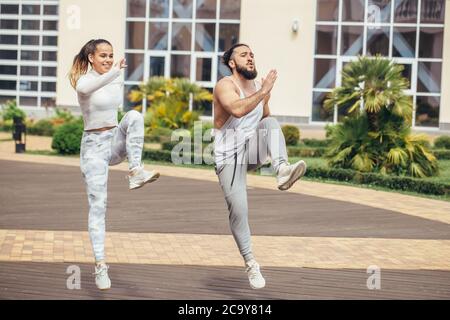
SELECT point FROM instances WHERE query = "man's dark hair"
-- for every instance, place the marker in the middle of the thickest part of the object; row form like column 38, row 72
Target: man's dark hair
column 229, row 53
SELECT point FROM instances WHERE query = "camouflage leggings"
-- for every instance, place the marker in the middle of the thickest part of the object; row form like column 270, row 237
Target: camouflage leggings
column 98, row 151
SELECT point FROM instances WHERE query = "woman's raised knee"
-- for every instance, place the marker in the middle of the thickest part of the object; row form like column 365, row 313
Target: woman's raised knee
column 134, row 115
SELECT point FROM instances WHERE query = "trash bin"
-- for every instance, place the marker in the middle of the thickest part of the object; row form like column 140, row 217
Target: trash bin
column 19, row 135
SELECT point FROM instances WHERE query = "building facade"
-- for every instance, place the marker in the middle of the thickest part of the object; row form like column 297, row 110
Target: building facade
column 307, row 41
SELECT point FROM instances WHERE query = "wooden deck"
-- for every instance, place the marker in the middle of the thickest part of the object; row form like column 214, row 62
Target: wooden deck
column 48, row 281
column 49, row 197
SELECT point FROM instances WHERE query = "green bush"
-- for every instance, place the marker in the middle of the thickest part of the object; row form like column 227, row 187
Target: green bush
column 157, row 155
column 11, row 111
column 67, row 137
column 374, row 179
column 158, row 135
column 205, row 126
column 6, row 126
column 169, row 145
column 329, row 130
column 43, row 127
column 64, row 114
column 442, row 154
column 291, row 134
column 315, row 143
column 166, row 156
column 306, row 152
column 443, row 142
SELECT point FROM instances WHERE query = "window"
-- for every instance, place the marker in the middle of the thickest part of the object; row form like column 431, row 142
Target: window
column 29, row 9
column 50, row 41
column 9, row 24
column 28, row 66
column 179, row 38
column 49, row 72
column 135, row 69
column 8, row 39
column 29, row 71
column 27, row 85
column 30, row 40
column 9, row 9
column 48, row 86
column 50, row 10
column 180, row 66
column 411, row 32
column 9, row 70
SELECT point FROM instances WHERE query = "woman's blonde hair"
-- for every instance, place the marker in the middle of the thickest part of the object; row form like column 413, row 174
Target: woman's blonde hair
column 81, row 60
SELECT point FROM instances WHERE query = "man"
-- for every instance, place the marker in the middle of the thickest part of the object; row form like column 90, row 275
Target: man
column 245, row 136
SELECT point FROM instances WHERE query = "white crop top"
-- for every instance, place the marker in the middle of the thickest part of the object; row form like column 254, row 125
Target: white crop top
column 100, row 96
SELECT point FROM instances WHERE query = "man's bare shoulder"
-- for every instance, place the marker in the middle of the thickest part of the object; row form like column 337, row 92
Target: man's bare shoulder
column 225, row 84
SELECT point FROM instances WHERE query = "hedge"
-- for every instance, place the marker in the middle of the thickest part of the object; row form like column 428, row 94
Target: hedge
column 442, row 154
column 306, row 152
column 375, row 179
column 318, row 152
column 43, row 127
column 158, row 135
column 346, row 175
column 6, row 126
column 315, row 142
column 166, row 156
column 291, row 134
column 171, row 144
column 442, row 142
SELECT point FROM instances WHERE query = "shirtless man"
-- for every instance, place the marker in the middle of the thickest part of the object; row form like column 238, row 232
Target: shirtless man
column 245, row 137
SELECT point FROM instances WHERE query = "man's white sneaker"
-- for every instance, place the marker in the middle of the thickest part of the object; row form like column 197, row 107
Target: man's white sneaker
column 254, row 275
column 289, row 174
column 101, row 277
column 138, row 177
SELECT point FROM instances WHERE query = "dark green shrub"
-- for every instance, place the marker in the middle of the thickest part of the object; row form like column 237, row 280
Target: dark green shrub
column 11, row 111
column 43, row 127
column 205, row 127
column 291, row 134
column 443, row 142
column 67, row 137
column 442, row 154
column 316, row 143
column 158, row 135
column 166, row 156
column 306, row 152
column 6, row 126
column 375, row 179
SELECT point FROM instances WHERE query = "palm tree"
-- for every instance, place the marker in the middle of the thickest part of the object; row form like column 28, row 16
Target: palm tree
column 372, row 84
column 169, row 101
column 376, row 134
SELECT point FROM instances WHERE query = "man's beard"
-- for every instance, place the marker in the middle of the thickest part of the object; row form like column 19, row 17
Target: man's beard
column 247, row 74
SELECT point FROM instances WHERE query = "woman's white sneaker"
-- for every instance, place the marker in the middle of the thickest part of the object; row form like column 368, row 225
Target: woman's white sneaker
column 289, row 174
column 102, row 280
column 255, row 277
column 138, row 177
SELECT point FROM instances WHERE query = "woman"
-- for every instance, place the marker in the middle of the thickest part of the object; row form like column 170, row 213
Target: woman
column 105, row 142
